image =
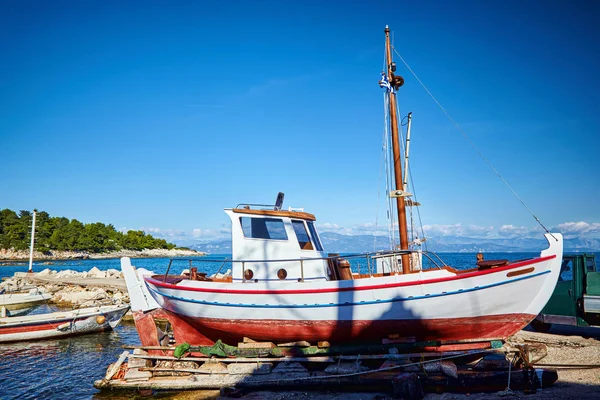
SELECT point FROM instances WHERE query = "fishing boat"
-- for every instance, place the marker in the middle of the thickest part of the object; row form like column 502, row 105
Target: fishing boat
column 15, row 304
column 61, row 323
column 284, row 287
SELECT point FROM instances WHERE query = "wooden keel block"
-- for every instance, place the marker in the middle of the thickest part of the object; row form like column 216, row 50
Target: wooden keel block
column 323, row 344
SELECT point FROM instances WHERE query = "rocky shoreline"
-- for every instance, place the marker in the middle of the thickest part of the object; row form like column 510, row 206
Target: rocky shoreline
column 71, row 288
column 23, row 255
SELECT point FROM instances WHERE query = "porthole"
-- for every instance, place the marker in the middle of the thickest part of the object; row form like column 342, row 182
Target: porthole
column 248, row 274
column 282, row 274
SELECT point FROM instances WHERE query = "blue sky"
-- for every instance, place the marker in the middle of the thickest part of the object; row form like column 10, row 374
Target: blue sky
column 157, row 115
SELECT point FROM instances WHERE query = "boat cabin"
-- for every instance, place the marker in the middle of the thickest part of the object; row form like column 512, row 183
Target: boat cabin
column 275, row 245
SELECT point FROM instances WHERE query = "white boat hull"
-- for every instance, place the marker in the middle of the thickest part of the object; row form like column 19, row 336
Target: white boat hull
column 436, row 304
column 61, row 324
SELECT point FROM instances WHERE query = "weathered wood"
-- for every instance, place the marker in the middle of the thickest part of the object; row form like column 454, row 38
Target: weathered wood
column 408, row 386
column 468, row 381
column 301, row 343
column 317, row 359
column 135, row 374
column 114, row 368
column 248, row 340
column 249, row 368
column 182, row 370
column 256, row 345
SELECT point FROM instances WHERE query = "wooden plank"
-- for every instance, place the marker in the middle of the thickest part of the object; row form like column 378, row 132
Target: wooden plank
column 399, row 356
column 136, row 374
column 256, row 345
column 301, row 343
column 115, row 367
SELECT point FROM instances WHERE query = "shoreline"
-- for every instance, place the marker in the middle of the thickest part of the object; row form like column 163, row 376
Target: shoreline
column 22, row 256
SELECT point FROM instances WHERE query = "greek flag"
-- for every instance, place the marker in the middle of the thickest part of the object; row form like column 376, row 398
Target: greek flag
column 383, row 83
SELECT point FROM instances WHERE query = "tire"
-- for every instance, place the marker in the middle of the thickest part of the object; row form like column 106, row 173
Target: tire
column 539, row 326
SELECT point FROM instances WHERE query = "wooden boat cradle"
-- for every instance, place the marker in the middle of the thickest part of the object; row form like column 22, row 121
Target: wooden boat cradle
column 483, row 366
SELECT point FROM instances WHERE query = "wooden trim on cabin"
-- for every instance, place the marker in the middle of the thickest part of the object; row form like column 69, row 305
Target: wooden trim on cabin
column 275, row 213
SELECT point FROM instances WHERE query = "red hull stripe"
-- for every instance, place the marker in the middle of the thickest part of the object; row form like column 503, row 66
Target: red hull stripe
column 158, row 283
column 487, row 327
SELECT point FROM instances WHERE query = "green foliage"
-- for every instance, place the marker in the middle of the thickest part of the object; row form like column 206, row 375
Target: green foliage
column 59, row 233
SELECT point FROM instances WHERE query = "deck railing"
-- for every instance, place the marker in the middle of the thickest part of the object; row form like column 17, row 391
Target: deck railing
column 370, row 258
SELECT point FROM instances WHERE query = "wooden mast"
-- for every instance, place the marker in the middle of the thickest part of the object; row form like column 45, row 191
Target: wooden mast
column 400, row 204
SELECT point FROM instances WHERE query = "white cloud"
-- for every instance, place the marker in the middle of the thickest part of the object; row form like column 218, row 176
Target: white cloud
column 579, row 229
column 459, row 230
column 511, row 231
column 569, row 229
column 361, row 229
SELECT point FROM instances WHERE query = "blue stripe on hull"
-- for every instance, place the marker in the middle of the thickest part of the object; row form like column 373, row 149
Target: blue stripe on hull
column 212, row 303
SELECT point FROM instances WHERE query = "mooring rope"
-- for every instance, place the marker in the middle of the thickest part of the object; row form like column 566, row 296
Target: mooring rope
column 472, row 144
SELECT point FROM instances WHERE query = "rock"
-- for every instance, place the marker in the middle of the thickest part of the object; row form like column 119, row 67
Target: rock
column 113, row 273
column 66, row 273
column 96, row 273
column 46, row 272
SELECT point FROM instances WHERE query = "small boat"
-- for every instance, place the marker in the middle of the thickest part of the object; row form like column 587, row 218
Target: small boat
column 61, row 324
column 285, row 287
column 15, row 304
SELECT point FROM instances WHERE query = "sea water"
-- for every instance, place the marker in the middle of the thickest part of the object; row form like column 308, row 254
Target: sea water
column 67, row 368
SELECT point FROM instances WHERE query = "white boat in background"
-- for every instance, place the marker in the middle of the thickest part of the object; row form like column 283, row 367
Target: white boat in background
column 61, row 323
column 15, row 304
column 20, row 303
column 285, row 287
column 14, row 327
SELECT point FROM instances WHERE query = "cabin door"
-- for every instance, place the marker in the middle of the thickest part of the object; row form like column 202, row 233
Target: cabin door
column 562, row 306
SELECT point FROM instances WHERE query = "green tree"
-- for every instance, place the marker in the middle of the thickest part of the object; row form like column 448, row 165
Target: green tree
column 60, row 233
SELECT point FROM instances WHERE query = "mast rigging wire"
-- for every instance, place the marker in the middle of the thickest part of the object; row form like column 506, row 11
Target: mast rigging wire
column 471, row 143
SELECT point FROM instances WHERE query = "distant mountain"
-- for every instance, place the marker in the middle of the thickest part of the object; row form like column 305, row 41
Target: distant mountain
column 337, row 243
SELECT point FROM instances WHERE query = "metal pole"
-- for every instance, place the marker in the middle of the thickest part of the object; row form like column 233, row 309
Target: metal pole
column 32, row 241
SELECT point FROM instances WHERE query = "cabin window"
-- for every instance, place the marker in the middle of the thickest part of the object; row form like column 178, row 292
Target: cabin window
column 589, row 264
column 263, row 228
column 315, row 237
column 302, row 235
column 566, row 270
